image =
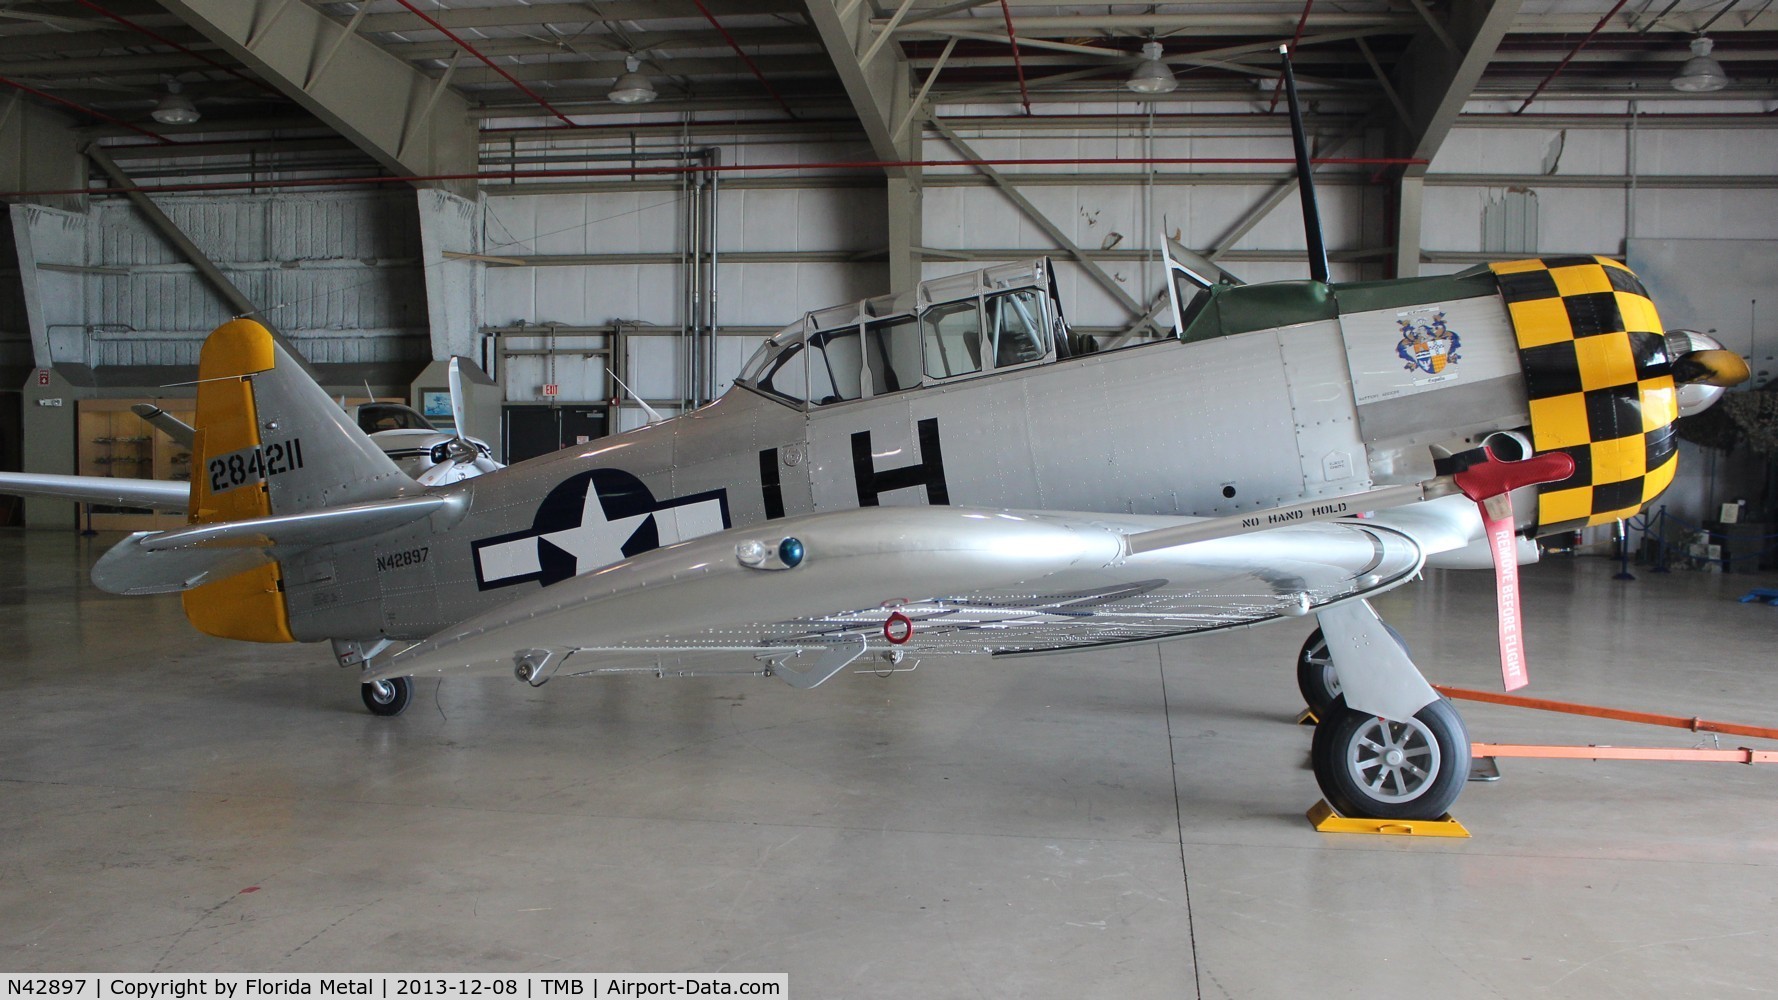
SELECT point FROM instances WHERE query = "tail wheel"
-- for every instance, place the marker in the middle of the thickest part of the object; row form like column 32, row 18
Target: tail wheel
column 1379, row 769
column 388, row 697
column 1315, row 676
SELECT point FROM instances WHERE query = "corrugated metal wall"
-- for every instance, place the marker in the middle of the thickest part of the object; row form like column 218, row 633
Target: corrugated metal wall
column 338, row 273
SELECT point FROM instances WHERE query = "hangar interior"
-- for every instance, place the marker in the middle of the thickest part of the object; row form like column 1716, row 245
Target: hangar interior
column 605, row 208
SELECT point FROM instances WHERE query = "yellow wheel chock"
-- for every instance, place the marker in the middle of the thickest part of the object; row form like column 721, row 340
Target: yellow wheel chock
column 1323, row 818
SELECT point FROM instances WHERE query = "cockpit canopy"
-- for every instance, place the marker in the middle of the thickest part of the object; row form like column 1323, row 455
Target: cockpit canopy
column 956, row 327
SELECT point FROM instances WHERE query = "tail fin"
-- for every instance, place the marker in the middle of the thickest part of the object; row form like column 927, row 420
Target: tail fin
column 271, row 441
column 268, row 441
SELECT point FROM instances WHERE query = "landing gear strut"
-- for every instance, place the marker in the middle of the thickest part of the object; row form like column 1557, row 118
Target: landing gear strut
column 1315, row 676
column 388, row 697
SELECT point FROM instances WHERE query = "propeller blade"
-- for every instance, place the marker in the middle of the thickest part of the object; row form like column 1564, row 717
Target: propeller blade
column 1305, row 180
column 440, row 474
column 456, row 380
column 1711, row 367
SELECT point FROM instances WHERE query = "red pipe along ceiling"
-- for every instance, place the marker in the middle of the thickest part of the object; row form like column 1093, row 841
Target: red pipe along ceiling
column 1018, row 63
column 761, row 77
column 472, row 50
column 631, row 171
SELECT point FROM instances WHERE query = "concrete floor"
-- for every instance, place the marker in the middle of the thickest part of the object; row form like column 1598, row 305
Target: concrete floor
column 1121, row 824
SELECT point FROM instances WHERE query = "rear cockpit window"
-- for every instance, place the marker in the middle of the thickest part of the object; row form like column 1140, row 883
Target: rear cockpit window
column 953, row 339
column 1018, row 334
column 892, row 354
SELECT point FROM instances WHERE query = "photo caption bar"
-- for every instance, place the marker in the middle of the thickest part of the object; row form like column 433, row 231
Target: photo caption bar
column 389, row 986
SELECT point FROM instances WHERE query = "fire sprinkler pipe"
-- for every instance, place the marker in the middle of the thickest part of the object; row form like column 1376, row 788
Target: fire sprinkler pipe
column 569, row 173
column 1572, row 53
column 1018, row 64
column 736, row 46
column 472, row 50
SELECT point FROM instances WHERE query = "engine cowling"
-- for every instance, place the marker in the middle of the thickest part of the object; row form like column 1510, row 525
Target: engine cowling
column 1599, row 373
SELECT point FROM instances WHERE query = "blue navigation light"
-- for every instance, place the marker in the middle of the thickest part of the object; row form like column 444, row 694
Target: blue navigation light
column 790, row 552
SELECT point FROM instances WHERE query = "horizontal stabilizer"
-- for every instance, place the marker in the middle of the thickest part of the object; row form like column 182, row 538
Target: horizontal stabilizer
column 128, row 568
column 154, row 494
column 180, row 431
column 159, row 562
column 327, row 526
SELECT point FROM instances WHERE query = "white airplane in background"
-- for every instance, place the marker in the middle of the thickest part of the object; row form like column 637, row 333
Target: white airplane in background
column 429, row 455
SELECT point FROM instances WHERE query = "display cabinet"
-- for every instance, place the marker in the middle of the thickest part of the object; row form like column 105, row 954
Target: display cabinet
column 112, row 441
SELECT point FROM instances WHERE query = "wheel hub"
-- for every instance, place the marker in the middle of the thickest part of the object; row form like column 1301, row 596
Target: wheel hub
column 1393, row 761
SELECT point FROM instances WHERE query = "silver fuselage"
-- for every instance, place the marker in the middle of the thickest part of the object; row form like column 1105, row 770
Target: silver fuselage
column 1236, row 423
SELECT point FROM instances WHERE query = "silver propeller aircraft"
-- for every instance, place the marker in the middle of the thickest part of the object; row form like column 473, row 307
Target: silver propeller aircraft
column 424, row 452
column 944, row 473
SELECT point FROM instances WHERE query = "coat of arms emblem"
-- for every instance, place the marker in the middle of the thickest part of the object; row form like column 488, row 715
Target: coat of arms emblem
column 1427, row 344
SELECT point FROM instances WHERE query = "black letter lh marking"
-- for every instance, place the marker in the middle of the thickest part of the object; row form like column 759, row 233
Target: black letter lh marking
column 930, row 472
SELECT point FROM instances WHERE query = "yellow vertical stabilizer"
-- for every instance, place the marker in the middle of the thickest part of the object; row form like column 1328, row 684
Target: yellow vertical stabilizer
column 225, row 485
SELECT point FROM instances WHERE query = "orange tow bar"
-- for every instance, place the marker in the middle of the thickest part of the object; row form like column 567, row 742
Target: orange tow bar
column 1741, row 755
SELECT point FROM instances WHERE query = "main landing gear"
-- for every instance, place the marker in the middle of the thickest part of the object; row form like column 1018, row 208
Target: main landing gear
column 388, row 697
column 1373, row 767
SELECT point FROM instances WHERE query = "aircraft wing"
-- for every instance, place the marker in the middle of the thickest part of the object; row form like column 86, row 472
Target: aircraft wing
column 154, row 494
column 942, row 580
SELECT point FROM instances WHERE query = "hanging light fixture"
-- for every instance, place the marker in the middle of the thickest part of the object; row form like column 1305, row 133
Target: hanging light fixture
column 1701, row 72
column 175, row 108
column 632, row 87
column 1152, row 76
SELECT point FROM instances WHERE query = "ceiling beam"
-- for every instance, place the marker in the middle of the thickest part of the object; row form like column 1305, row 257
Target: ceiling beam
column 404, row 119
column 39, row 151
column 515, row 14
column 878, row 88
column 1435, row 83
column 661, row 47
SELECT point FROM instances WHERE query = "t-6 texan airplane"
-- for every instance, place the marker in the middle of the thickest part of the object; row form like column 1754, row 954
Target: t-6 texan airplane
column 943, row 473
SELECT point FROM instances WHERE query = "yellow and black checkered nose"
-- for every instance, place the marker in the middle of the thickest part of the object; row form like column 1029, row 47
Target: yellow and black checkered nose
column 1600, row 382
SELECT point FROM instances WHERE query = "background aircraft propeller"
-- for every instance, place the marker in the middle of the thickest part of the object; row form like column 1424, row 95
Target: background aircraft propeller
column 459, row 458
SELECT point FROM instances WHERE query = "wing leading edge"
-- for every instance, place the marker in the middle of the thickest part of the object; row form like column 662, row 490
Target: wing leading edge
column 154, row 494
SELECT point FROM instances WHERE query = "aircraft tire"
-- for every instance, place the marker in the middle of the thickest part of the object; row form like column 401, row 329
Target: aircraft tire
column 1315, row 676
column 1417, row 776
column 388, row 698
